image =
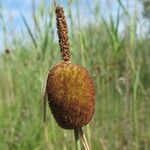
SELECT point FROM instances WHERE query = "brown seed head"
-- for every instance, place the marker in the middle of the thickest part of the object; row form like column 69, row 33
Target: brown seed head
column 70, row 95
column 7, row 51
column 62, row 33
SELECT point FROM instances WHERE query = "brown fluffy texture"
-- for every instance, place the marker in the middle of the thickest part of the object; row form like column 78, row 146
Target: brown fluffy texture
column 62, row 33
column 70, row 95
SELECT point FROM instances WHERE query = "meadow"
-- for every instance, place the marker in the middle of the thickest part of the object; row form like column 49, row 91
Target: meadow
column 118, row 62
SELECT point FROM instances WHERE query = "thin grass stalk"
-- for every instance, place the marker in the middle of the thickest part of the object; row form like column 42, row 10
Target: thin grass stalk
column 135, row 107
column 69, row 3
column 88, row 130
column 123, row 7
column 136, row 83
column 77, row 139
column 35, row 21
column 78, row 13
column 46, row 136
column 29, row 31
column 84, row 140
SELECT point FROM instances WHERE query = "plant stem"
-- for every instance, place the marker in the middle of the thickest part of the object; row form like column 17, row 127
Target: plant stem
column 84, row 140
column 77, row 139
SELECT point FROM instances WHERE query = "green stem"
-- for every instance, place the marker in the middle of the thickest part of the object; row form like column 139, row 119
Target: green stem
column 77, row 139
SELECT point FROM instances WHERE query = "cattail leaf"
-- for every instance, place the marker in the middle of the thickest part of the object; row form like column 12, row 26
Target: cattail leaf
column 29, row 30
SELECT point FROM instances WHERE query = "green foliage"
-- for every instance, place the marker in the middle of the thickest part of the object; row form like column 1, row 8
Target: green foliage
column 119, row 66
column 146, row 5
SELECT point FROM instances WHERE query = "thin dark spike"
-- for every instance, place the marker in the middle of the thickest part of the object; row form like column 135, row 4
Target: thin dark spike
column 62, row 34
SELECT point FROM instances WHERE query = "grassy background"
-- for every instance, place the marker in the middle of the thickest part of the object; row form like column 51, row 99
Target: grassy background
column 118, row 63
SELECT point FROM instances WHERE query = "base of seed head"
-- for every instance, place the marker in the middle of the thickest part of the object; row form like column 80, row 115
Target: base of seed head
column 70, row 95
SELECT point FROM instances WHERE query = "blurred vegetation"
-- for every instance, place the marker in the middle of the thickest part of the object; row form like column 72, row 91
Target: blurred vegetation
column 119, row 65
column 146, row 5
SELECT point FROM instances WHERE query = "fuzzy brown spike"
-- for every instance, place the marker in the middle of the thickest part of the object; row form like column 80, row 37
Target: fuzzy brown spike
column 62, row 33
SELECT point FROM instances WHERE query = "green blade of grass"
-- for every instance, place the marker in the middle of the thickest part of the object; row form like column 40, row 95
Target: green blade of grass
column 123, row 7
column 29, row 30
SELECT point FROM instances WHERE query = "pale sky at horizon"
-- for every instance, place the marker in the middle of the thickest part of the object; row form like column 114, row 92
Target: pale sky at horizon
column 12, row 8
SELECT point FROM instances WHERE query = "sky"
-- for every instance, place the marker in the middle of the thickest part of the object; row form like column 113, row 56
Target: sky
column 11, row 10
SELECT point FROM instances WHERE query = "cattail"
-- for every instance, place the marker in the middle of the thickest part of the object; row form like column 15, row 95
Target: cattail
column 70, row 95
column 7, row 51
column 69, row 86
